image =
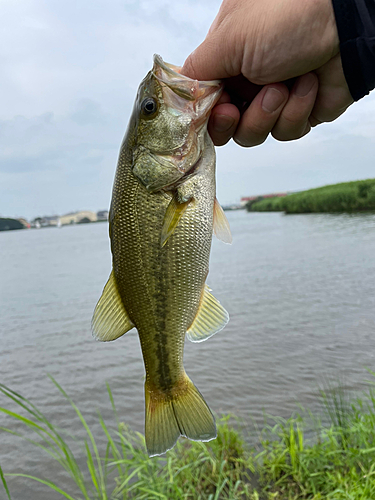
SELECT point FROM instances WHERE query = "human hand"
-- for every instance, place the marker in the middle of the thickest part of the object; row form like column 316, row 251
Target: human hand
column 257, row 47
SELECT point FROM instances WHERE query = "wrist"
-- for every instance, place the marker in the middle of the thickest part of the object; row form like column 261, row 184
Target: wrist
column 330, row 37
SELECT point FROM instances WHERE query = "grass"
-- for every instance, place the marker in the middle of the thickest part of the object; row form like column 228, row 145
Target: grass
column 123, row 469
column 338, row 462
column 345, row 197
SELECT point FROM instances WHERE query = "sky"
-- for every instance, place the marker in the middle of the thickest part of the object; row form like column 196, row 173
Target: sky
column 69, row 72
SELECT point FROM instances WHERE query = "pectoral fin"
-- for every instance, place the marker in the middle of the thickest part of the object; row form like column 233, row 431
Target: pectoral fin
column 172, row 217
column 221, row 224
column 110, row 320
column 210, row 319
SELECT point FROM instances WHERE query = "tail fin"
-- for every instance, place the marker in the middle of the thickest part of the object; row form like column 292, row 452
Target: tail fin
column 182, row 412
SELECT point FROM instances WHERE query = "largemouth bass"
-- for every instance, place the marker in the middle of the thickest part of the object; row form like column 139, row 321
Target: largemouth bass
column 161, row 220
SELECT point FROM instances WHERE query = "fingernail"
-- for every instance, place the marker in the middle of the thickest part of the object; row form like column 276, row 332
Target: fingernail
column 222, row 123
column 272, row 100
column 304, row 86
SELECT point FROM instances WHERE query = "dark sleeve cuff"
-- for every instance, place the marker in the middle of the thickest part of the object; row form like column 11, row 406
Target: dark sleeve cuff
column 355, row 21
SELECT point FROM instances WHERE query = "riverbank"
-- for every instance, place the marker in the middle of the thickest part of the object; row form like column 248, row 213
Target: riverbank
column 344, row 197
column 338, row 462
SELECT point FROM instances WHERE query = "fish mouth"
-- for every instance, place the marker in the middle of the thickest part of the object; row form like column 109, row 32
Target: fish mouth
column 192, row 98
column 201, row 94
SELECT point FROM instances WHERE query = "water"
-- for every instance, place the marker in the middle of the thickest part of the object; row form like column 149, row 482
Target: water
column 300, row 291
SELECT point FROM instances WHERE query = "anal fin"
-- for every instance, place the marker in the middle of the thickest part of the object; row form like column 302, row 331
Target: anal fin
column 210, row 319
column 110, row 320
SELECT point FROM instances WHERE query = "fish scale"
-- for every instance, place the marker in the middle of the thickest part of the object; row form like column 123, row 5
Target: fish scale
column 161, row 224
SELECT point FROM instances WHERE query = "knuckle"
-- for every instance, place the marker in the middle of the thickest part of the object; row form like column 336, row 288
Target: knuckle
column 290, row 127
column 295, row 114
column 251, row 134
column 257, row 129
column 293, row 120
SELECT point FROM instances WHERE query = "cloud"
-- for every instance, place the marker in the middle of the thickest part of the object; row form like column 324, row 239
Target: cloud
column 88, row 112
column 70, row 71
column 331, row 153
column 47, row 142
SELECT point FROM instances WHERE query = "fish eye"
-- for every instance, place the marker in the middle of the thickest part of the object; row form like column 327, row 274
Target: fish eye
column 149, row 106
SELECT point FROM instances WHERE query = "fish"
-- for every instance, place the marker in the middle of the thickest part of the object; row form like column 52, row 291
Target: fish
column 162, row 216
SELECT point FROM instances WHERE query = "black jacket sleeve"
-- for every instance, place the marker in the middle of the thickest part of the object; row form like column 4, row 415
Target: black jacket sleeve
column 355, row 21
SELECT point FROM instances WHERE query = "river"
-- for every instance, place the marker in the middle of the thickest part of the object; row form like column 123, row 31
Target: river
column 300, row 291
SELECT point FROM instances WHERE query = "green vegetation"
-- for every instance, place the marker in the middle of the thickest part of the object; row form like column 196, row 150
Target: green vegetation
column 345, row 197
column 10, row 224
column 338, row 462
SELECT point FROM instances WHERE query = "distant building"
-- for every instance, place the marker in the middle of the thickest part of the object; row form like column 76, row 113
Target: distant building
column 47, row 221
column 246, row 199
column 78, row 217
column 52, row 220
column 102, row 215
column 36, row 223
column 234, row 206
column 25, row 223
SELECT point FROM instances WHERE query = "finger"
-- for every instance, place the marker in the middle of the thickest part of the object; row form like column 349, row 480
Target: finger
column 293, row 121
column 215, row 58
column 223, row 123
column 333, row 95
column 241, row 90
column 262, row 114
column 210, row 61
column 314, row 121
column 224, row 97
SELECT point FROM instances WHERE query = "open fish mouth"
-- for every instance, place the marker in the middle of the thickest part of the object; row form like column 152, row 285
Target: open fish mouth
column 191, row 98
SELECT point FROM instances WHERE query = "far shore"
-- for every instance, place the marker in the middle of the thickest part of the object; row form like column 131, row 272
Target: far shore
column 356, row 196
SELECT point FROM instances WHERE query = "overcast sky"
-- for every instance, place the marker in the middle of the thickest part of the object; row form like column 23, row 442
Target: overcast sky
column 69, row 72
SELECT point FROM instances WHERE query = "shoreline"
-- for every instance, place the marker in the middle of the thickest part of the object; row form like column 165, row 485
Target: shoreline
column 345, row 197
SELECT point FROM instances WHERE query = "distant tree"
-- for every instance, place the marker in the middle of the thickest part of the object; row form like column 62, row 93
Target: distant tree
column 10, row 224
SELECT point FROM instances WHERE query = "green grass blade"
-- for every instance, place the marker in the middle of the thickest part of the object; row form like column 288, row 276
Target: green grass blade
column 101, row 480
column 4, row 483
column 52, row 485
column 91, row 468
column 121, row 486
column 112, row 446
column 21, row 401
column 54, row 443
column 154, row 493
column 51, row 452
column 24, row 420
column 114, row 409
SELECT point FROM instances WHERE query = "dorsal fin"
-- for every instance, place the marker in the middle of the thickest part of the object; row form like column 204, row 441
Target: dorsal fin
column 110, row 319
column 221, row 224
column 210, row 319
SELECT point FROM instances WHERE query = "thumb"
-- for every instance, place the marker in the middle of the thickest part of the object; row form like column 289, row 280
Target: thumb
column 209, row 61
